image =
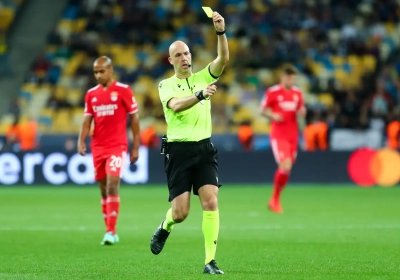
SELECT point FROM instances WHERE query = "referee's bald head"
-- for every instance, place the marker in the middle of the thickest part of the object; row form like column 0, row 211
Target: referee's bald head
column 177, row 47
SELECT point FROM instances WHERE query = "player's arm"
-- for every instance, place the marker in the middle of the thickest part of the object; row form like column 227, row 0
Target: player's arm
column 218, row 65
column 135, row 128
column 86, row 125
column 179, row 104
column 131, row 107
column 301, row 109
column 85, row 130
column 266, row 111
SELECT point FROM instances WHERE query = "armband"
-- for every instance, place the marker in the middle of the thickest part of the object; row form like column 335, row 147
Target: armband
column 199, row 95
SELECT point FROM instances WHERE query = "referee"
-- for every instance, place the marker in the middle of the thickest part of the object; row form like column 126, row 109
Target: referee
column 190, row 157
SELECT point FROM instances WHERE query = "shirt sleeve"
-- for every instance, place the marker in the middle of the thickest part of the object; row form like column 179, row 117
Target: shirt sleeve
column 166, row 93
column 88, row 106
column 208, row 76
column 266, row 102
column 129, row 101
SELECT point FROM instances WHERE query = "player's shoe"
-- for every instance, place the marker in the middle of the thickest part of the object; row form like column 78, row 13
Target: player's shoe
column 275, row 206
column 110, row 239
column 116, row 238
column 212, row 268
column 158, row 240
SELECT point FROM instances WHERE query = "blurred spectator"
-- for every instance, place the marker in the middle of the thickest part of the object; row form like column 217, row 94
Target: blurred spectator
column 12, row 139
column 41, row 65
column 70, row 145
column 246, row 135
column 56, row 103
column 14, row 108
column 315, row 134
column 4, row 56
column 349, row 111
column 28, row 133
column 380, row 101
column 149, row 138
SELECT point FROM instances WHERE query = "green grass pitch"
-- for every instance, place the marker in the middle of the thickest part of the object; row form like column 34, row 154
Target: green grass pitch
column 326, row 232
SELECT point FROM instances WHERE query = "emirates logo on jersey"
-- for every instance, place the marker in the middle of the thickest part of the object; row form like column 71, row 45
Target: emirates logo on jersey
column 288, row 105
column 105, row 110
column 114, row 96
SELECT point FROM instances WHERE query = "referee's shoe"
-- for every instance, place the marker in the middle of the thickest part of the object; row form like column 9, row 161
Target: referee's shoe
column 158, row 240
column 212, row 268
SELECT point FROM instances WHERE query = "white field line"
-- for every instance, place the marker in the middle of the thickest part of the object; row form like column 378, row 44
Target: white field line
column 193, row 228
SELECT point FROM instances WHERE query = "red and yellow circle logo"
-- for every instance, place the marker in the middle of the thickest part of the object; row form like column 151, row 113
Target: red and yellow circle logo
column 368, row 167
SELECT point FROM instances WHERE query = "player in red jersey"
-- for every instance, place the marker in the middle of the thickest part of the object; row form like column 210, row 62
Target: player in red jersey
column 108, row 104
column 281, row 104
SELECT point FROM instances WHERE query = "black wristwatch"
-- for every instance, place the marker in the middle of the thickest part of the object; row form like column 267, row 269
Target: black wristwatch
column 220, row 33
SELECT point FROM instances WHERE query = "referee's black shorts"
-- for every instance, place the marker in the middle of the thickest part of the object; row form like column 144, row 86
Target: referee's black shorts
column 190, row 164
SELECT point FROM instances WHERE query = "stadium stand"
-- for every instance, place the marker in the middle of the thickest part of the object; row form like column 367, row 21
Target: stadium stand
column 8, row 10
column 349, row 68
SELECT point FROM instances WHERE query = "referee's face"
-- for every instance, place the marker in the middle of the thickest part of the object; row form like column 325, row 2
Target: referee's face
column 180, row 57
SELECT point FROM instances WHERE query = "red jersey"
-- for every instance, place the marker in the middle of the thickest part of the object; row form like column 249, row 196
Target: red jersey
column 286, row 103
column 109, row 108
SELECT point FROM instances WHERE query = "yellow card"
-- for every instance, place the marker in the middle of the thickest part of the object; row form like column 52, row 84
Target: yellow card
column 208, row 11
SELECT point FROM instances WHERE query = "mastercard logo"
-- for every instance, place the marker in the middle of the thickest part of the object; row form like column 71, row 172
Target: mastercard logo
column 368, row 167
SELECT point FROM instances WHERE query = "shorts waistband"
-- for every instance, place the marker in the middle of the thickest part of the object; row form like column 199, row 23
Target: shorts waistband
column 189, row 143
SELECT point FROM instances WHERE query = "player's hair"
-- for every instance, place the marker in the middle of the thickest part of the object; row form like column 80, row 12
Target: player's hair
column 289, row 69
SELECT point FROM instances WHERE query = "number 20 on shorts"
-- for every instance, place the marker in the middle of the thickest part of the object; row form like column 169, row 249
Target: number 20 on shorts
column 116, row 162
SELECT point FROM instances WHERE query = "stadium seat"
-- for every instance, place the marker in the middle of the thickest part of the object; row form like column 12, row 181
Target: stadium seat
column 6, row 16
column 354, row 60
column 326, row 99
column 340, row 75
column 61, row 92
column 242, row 115
column 73, row 64
column 30, row 87
column 3, row 128
column 74, row 96
column 25, row 95
column 337, row 60
column 369, row 62
column 260, row 126
column 62, row 121
column 79, row 25
column 47, row 112
column 160, row 127
column 232, row 100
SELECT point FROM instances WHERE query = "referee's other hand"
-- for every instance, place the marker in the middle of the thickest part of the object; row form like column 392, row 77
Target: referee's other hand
column 210, row 89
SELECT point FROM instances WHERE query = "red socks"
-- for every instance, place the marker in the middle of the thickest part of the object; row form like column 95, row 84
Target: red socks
column 280, row 179
column 112, row 212
column 104, row 209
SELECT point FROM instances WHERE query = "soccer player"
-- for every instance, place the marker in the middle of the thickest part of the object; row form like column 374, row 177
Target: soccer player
column 281, row 104
column 191, row 160
column 108, row 104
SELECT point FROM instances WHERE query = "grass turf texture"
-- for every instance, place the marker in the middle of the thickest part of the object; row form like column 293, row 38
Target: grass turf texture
column 325, row 233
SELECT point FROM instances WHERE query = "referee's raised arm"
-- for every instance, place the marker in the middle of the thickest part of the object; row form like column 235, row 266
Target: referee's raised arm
column 218, row 65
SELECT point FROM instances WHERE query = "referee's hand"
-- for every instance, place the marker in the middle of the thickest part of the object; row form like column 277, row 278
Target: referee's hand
column 210, row 90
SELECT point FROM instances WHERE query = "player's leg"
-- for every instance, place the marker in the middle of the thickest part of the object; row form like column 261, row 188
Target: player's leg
column 206, row 187
column 103, row 192
column 284, row 157
column 114, row 167
column 179, row 175
column 101, row 177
